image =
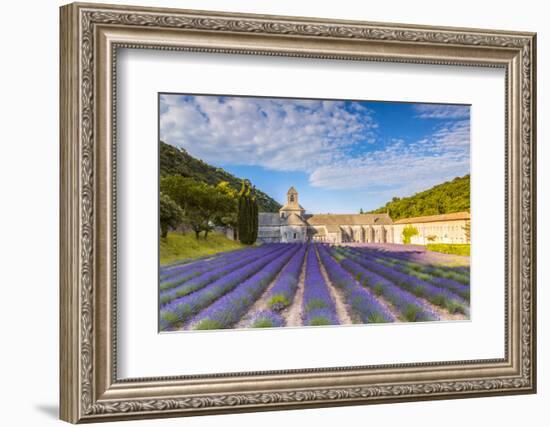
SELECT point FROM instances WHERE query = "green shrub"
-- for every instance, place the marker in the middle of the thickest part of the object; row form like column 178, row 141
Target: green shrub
column 208, row 324
column 319, row 321
column 262, row 323
column 376, row 318
column 278, row 302
column 450, row 248
column 408, row 232
column 411, row 313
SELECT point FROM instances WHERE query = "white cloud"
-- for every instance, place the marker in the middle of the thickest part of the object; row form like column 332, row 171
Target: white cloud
column 279, row 135
column 438, row 111
column 401, row 169
column 319, row 138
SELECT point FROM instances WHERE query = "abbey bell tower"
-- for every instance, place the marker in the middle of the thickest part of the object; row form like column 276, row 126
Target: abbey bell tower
column 292, row 206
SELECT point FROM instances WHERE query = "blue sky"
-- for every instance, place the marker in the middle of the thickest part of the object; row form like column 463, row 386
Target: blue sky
column 340, row 155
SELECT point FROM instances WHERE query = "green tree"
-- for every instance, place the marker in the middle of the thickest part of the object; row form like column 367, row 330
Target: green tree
column 230, row 216
column 177, row 161
column 254, row 219
column 242, row 214
column 448, row 197
column 170, row 214
column 408, row 232
column 207, row 205
column 203, row 205
column 178, row 189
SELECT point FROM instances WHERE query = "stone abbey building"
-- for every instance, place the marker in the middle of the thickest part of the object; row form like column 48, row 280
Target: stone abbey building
column 292, row 224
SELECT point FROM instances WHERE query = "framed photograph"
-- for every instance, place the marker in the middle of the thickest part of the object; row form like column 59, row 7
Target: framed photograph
column 266, row 212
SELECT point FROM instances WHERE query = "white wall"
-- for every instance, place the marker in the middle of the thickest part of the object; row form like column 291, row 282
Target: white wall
column 29, row 170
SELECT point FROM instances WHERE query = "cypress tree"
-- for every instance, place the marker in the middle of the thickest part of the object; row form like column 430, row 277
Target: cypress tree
column 247, row 220
column 254, row 218
column 241, row 217
column 250, row 217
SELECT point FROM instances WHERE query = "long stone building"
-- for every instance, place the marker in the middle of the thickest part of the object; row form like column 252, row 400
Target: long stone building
column 445, row 228
column 292, row 224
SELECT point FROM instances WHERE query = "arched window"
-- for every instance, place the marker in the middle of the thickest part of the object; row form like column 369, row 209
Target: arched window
column 292, row 197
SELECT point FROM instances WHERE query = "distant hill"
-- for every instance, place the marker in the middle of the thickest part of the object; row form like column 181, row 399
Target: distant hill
column 177, row 161
column 451, row 196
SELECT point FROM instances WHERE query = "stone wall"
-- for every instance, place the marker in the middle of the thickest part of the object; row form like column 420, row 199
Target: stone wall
column 429, row 232
column 293, row 233
column 434, row 232
column 269, row 234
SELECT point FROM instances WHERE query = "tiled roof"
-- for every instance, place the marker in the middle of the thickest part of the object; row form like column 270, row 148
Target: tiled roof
column 349, row 219
column 294, row 219
column 319, row 231
column 268, row 219
column 292, row 208
column 435, row 218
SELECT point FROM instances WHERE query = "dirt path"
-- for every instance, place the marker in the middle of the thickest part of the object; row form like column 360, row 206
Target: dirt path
column 261, row 302
column 341, row 309
column 293, row 314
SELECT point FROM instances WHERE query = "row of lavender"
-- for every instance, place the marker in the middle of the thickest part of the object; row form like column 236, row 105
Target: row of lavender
column 401, row 285
column 195, row 278
column 192, row 296
column 451, row 265
column 219, row 292
column 384, row 273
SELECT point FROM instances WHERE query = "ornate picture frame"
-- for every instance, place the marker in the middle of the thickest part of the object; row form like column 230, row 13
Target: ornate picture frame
column 90, row 37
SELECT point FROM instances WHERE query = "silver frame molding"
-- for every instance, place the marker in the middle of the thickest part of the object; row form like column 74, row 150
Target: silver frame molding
column 90, row 37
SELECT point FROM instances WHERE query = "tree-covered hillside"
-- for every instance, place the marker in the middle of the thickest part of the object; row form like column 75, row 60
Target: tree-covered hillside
column 451, row 196
column 176, row 161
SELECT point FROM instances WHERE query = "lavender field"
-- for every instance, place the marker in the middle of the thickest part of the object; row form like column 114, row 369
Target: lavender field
column 294, row 284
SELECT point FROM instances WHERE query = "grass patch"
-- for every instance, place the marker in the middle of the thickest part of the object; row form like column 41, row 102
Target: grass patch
column 411, row 313
column 455, row 307
column 376, row 318
column 177, row 246
column 314, row 304
column 319, row 321
column 263, row 323
column 208, row 324
column 278, row 302
column 170, row 317
column 449, row 248
column 378, row 289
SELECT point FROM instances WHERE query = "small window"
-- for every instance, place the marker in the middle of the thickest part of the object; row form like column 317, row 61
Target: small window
column 292, row 197
column 294, row 235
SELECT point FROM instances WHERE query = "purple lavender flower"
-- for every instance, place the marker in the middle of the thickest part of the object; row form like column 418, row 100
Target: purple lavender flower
column 177, row 275
column 227, row 310
column 424, row 261
column 408, row 306
column 183, row 308
column 265, row 319
column 283, row 291
column 440, row 282
column 321, row 316
column 441, row 297
column 167, row 271
column 208, row 277
column 363, row 304
column 318, row 307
